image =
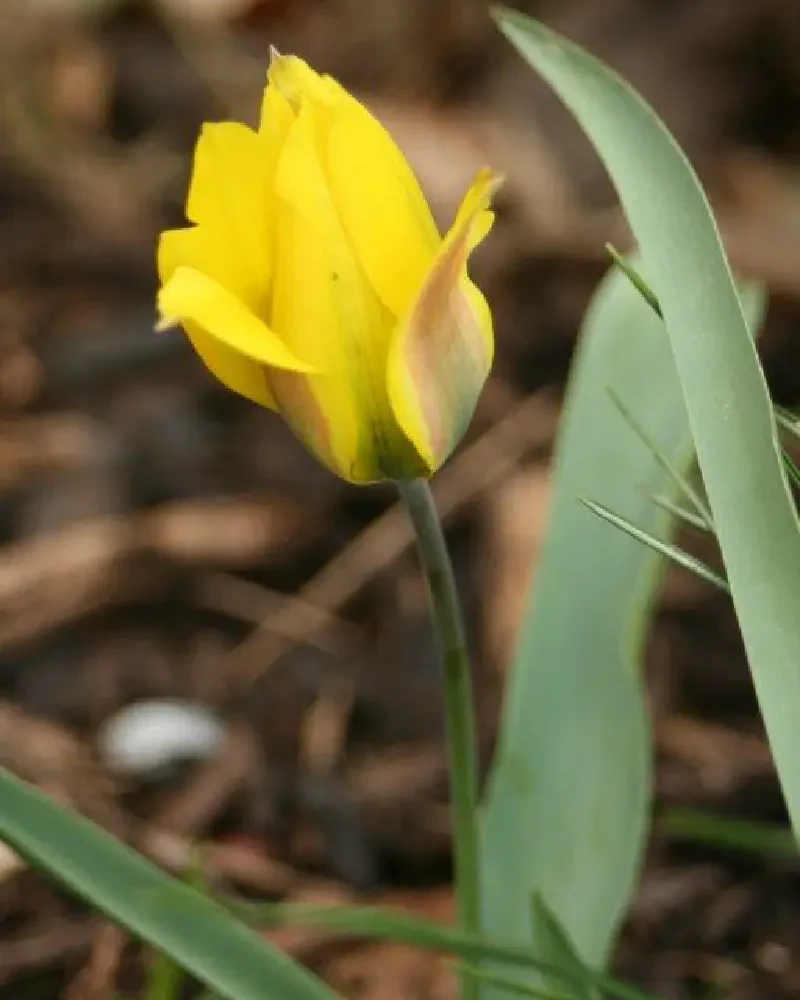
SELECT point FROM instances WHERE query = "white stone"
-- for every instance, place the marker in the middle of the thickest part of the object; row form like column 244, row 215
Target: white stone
column 148, row 735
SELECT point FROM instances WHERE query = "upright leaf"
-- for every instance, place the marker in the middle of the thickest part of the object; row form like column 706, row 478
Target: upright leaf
column 568, row 798
column 729, row 409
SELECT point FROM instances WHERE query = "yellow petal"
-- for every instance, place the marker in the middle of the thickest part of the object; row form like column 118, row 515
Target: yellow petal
column 197, row 248
column 192, row 297
column 277, row 115
column 441, row 351
column 233, row 369
column 228, row 198
column 179, row 246
column 326, row 312
column 380, row 202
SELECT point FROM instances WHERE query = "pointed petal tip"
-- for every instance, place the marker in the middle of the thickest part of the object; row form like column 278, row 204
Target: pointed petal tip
column 474, row 217
column 165, row 323
column 486, row 185
column 296, row 80
column 498, row 180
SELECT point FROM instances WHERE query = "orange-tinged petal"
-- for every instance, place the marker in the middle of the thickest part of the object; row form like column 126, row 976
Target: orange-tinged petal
column 441, row 351
column 192, row 297
column 380, row 203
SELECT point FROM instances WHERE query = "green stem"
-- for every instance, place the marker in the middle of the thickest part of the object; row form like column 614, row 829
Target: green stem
column 458, row 705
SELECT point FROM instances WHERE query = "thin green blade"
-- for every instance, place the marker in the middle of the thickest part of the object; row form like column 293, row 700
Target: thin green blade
column 379, row 924
column 555, row 941
column 196, row 933
column 766, row 839
column 687, row 517
column 680, row 480
column 666, row 549
column 635, row 278
column 787, row 420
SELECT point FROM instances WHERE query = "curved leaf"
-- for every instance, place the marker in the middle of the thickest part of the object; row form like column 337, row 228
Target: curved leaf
column 729, row 408
column 196, row 933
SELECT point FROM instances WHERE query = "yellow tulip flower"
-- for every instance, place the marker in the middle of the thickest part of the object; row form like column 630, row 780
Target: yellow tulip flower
column 313, row 280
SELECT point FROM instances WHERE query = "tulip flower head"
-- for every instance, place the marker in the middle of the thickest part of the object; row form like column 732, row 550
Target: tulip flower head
column 313, row 280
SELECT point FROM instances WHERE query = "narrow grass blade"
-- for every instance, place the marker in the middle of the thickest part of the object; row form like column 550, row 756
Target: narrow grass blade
column 787, row 420
column 769, row 840
column 728, row 404
column 516, row 987
column 792, row 470
column 689, row 518
column 635, row 278
column 677, row 476
column 672, row 552
column 555, row 941
column 378, row 924
column 196, row 933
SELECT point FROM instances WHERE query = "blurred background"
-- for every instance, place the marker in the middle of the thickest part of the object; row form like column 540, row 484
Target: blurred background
column 168, row 546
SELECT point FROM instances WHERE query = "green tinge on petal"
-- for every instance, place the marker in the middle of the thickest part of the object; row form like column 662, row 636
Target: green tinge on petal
column 381, row 452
